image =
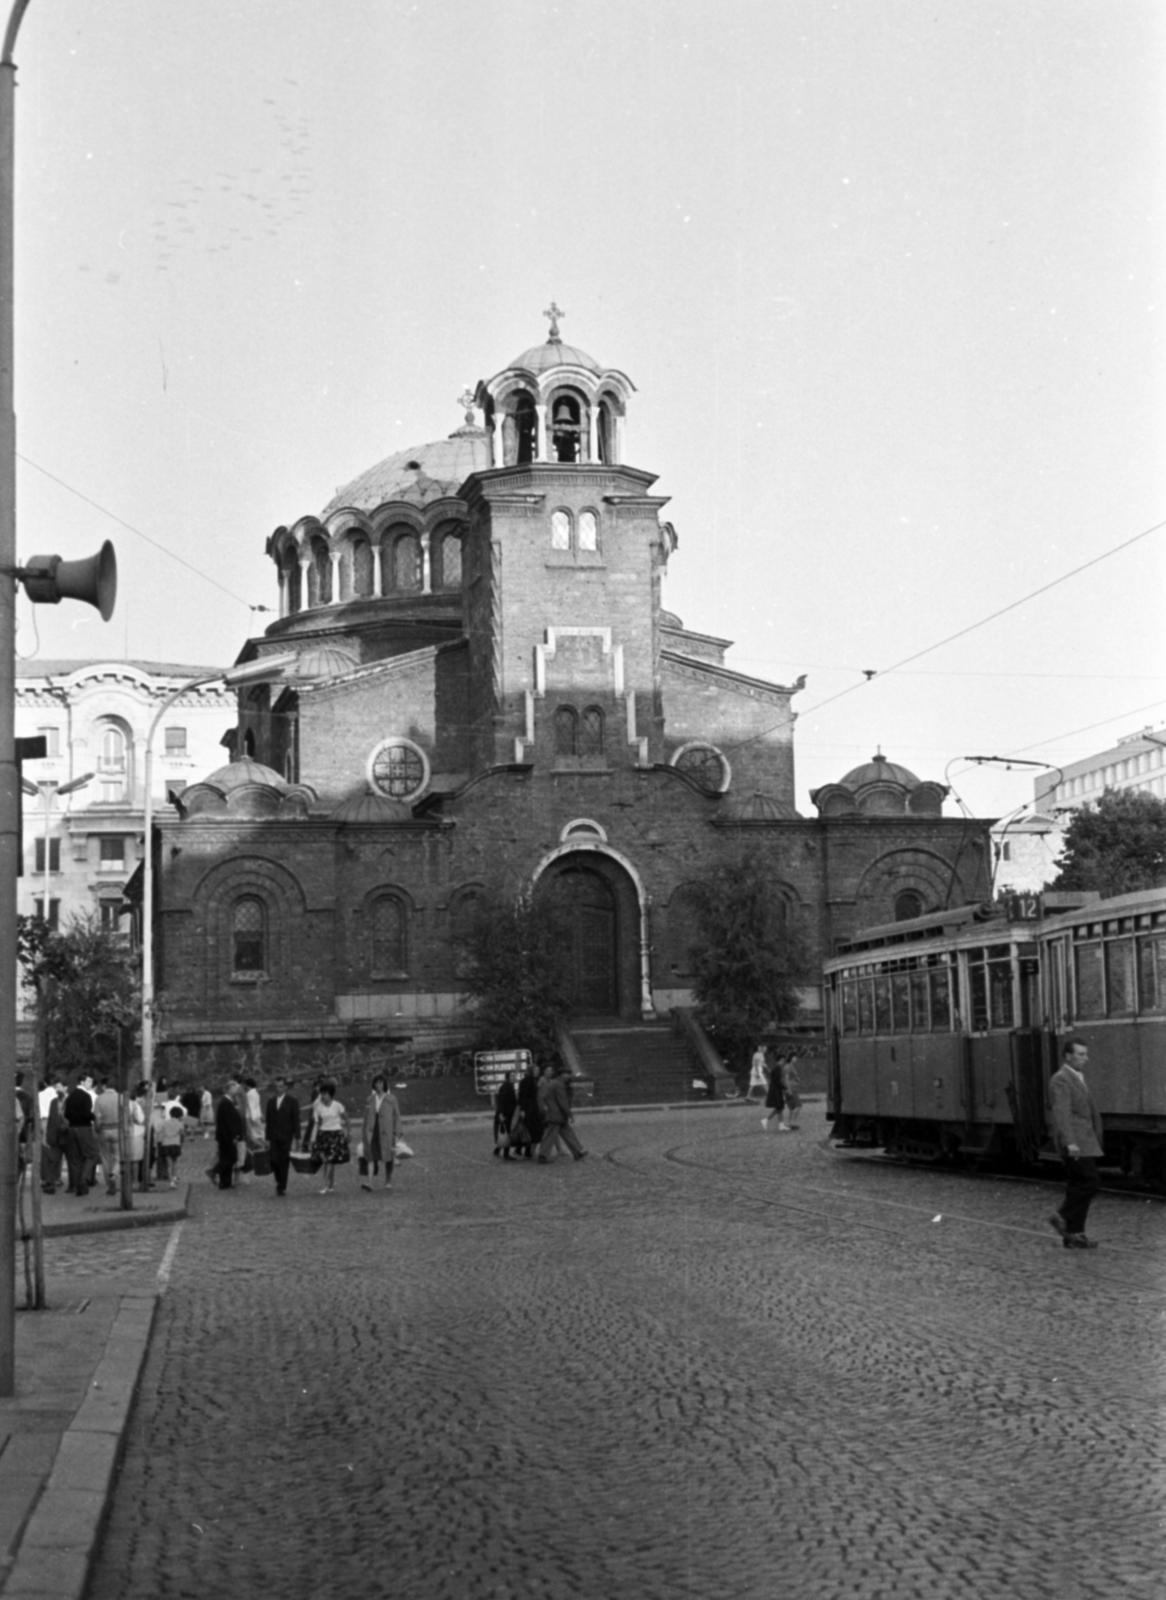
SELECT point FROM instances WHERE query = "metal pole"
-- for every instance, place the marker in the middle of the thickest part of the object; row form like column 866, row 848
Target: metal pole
column 9, row 775
column 46, row 794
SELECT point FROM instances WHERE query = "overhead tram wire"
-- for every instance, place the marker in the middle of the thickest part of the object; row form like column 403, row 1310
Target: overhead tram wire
column 960, row 633
column 113, row 516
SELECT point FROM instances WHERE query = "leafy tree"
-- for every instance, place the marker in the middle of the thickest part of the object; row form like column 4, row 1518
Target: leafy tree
column 90, row 987
column 1116, row 846
column 746, row 961
column 515, row 974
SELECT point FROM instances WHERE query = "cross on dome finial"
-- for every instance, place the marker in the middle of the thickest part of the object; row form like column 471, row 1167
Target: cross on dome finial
column 466, row 401
column 553, row 312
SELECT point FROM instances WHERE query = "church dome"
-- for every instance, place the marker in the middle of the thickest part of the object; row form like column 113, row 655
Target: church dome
column 419, row 475
column 554, row 353
column 237, row 774
column 879, row 770
column 755, row 807
column 323, row 661
column 369, row 807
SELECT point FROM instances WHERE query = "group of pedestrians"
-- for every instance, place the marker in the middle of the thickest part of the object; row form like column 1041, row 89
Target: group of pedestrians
column 535, row 1115
column 252, row 1139
column 89, row 1130
column 778, row 1084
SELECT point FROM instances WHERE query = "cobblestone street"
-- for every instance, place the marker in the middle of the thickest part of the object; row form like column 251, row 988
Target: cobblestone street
column 706, row 1361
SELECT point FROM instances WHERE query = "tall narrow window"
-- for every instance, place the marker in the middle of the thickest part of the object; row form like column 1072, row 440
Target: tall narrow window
column 604, row 432
column 566, row 731
column 54, row 855
column 361, row 568
column 451, row 562
column 249, row 935
column 407, row 562
column 560, row 531
column 520, row 431
column 320, row 575
column 54, row 918
column 588, row 531
column 52, row 739
column 388, row 937
column 567, row 429
column 112, row 764
column 591, row 732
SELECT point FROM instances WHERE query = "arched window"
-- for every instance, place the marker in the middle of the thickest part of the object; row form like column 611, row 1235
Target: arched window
column 566, row 429
column 249, row 935
column 605, row 432
column 449, row 558
column 320, row 575
column 588, row 531
column 560, row 530
column 591, row 732
column 566, row 731
column 407, row 562
column 908, row 904
column 291, row 567
column 362, row 568
column 519, row 430
column 112, row 763
column 387, row 937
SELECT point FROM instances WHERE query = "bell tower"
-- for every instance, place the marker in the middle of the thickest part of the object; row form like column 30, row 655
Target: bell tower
column 564, row 560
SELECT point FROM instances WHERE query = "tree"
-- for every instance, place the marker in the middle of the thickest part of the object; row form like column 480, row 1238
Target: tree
column 746, row 960
column 1116, row 846
column 515, row 974
column 90, row 988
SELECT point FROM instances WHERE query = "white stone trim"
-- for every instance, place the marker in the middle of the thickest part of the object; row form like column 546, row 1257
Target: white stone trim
column 579, row 843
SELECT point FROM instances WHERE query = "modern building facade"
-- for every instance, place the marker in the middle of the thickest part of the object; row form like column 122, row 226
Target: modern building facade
column 1137, row 761
column 489, row 699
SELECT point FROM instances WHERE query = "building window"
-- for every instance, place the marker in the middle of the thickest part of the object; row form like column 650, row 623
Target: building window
column 112, row 852
column 560, row 530
column 567, row 429
column 588, row 531
column 705, row 765
column 175, row 741
column 110, row 911
column 448, row 573
column 112, row 763
column 54, row 855
column 320, row 575
column 909, row 904
column 465, row 919
column 52, row 739
column 54, row 912
column 591, row 732
column 387, row 937
column 566, row 731
column 362, row 569
column 398, row 768
column 249, row 936
column 407, row 563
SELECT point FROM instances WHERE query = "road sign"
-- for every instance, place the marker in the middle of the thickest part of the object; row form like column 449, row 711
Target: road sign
column 491, row 1066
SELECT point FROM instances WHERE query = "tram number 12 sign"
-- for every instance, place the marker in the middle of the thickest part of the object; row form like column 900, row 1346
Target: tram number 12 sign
column 491, row 1066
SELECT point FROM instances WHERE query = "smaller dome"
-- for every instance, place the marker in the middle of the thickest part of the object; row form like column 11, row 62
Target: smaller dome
column 369, row 807
column 541, row 357
column 236, row 774
column 323, row 661
column 756, row 807
column 879, row 770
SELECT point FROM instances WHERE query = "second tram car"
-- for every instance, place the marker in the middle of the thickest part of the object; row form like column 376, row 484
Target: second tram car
column 944, row 1031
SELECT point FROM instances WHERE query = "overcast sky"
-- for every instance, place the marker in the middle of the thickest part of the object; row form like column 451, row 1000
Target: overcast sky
column 887, row 277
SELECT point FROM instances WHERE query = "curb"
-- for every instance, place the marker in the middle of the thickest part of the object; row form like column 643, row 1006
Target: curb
column 602, row 1111
column 59, row 1540
column 115, row 1221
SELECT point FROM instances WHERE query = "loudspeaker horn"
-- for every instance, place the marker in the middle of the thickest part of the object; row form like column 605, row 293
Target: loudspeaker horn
column 48, row 580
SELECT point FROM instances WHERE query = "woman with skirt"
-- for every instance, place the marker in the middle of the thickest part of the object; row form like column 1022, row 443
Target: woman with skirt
column 330, row 1135
column 775, row 1098
column 382, row 1124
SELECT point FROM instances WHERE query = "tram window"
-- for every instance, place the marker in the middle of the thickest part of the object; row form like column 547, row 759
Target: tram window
column 865, row 1006
column 882, row 997
column 849, row 1009
column 1029, row 994
column 1119, row 976
column 979, row 977
column 1090, row 991
column 1000, row 993
column 920, row 1020
column 900, row 1003
column 940, row 1000
column 1152, row 974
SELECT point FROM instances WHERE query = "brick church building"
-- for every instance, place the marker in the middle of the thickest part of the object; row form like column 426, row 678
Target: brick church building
column 486, row 695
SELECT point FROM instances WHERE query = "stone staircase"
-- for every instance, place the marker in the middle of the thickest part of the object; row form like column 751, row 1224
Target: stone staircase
column 635, row 1063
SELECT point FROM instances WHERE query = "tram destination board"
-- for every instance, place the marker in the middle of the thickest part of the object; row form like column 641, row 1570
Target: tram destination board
column 491, row 1066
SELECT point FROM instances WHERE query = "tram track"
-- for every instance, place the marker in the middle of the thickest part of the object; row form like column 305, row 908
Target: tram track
column 844, row 1220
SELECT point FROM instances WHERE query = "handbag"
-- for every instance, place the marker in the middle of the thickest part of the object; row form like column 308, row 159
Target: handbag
column 261, row 1162
column 304, row 1161
column 401, row 1149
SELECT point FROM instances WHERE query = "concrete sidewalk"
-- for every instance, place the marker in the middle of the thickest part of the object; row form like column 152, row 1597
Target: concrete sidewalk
column 77, row 1369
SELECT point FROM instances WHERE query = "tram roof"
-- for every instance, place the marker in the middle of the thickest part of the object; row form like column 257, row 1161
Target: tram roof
column 934, row 925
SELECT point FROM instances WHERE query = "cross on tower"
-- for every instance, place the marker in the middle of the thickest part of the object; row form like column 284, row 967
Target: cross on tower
column 554, row 314
column 466, row 401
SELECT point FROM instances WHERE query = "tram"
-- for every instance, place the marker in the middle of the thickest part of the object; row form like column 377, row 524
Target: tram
column 944, row 1031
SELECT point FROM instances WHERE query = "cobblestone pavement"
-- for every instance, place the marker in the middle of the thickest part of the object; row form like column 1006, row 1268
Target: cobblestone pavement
column 707, row 1361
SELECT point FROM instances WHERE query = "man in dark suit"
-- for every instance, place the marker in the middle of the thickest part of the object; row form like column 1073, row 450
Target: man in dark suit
column 282, row 1129
column 1078, row 1136
column 80, row 1142
column 229, row 1130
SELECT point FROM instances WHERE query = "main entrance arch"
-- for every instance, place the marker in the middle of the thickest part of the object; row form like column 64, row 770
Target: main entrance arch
column 601, row 928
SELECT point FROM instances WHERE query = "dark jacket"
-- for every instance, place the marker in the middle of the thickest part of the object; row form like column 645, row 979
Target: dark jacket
column 78, row 1108
column 229, row 1125
column 281, row 1121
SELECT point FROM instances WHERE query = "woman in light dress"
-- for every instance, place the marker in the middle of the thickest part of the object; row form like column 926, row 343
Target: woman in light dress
column 329, row 1134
